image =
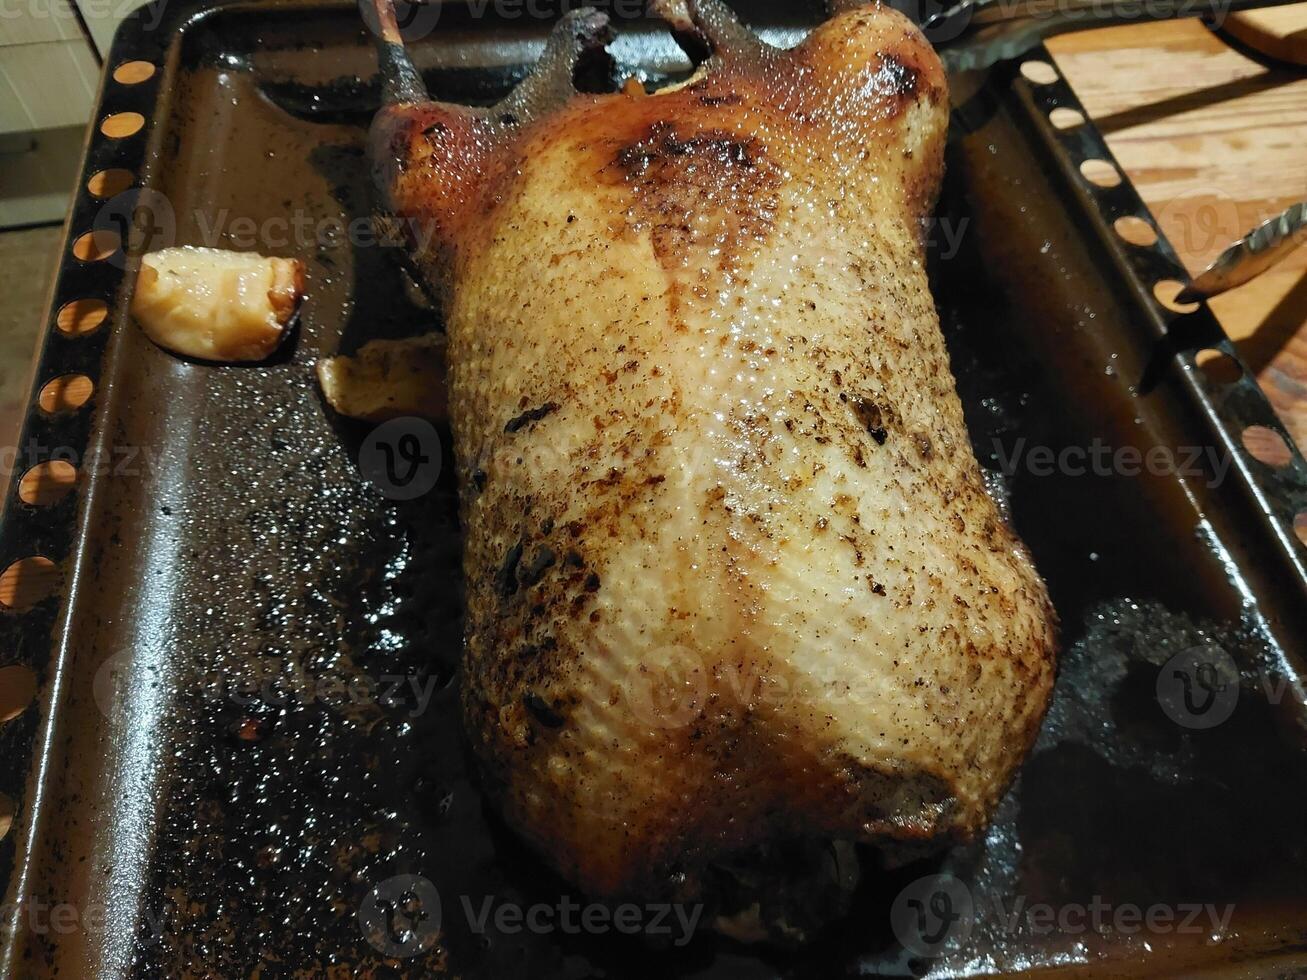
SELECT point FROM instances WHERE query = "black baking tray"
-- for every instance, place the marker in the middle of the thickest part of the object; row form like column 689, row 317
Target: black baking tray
column 246, row 732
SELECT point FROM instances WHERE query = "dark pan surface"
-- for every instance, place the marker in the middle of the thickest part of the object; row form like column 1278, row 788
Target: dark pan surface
column 255, row 657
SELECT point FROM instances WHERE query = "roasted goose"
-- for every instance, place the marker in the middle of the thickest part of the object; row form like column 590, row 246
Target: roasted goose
column 733, row 578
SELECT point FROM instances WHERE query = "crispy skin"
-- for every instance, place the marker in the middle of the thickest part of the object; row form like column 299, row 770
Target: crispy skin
column 732, row 574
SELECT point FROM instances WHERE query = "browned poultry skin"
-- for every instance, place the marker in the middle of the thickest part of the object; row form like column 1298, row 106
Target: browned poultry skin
column 732, row 574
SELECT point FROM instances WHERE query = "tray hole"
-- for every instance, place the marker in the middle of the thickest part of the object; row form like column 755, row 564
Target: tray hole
column 81, row 316
column 66, row 393
column 1136, row 231
column 1100, row 172
column 17, row 691
column 110, row 183
column 1300, row 527
column 27, row 581
column 1219, row 367
column 132, row 72
column 122, row 124
column 1267, row 446
column 1039, row 72
column 1165, row 291
column 6, row 815
column 96, row 246
column 45, row 484
column 1065, row 118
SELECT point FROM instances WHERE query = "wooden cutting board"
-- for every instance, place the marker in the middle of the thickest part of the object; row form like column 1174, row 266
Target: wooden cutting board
column 1215, row 142
column 1280, row 32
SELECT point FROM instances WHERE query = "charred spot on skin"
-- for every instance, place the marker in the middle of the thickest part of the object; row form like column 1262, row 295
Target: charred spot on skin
column 873, row 419
column 542, row 711
column 707, row 185
column 533, row 570
column 732, row 98
column 398, row 146
column 529, row 416
column 592, row 582
column 479, row 478
column 900, row 79
column 662, row 145
column 506, row 580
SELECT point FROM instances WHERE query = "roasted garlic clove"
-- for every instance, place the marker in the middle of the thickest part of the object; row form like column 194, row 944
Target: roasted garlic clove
column 387, row 379
column 217, row 305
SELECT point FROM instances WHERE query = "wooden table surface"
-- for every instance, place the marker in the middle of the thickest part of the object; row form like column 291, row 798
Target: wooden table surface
column 1215, row 142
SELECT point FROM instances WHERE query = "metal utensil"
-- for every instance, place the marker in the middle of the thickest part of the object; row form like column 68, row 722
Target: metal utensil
column 975, row 34
column 1251, row 255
